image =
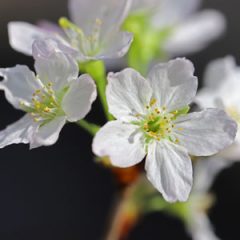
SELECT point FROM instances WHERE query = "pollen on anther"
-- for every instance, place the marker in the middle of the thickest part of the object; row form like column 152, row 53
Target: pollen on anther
column 153, row 102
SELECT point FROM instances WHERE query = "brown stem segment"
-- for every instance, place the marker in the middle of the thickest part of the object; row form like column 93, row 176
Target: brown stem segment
column 124, row 218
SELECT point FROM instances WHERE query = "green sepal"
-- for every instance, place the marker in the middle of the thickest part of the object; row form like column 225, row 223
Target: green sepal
column 96, row 69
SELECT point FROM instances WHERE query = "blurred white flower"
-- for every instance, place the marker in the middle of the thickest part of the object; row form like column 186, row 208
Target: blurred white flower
column 190, row 31
column 96, row 34
column 152, row 120
column 51, row 98
column 198, row 223
column 222, row 87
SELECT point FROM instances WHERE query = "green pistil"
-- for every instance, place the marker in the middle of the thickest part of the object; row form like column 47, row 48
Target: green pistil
column 158, row 123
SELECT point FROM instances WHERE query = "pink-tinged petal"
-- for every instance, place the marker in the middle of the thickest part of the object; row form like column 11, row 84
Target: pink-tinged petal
column 22, row 35
column 51, row 28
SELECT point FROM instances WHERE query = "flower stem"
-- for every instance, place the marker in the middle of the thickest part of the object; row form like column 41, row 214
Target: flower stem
column 98, row 72
column 89, row 127
column 124, row 218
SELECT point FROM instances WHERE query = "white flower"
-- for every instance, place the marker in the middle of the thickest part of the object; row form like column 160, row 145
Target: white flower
column 150, row 123
column 190, row 31
column 96, row 34
column 51, row 98
column 198, row 223
column 222, row 87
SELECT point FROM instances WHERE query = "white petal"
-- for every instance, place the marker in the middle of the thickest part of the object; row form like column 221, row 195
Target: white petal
column 196, row 33
column 171, row 12
column 200, row 228
column 110, row 12
column 209, row 98
column 173, row 83
column 221, row 77
column 19, row 84
column 169, row 169
column 79, row 98
column 205, row 133
column 144, row 5
column 52, row 65
column 117, row 45
column 206, row 171
column 48, row 134
column 218, row 71
column 128, row 93
column 51, row 27
column 120, row 142
column 22, row 35
column 21, row 131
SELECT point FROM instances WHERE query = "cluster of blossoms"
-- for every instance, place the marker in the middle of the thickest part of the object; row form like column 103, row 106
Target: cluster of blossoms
column 150, row 115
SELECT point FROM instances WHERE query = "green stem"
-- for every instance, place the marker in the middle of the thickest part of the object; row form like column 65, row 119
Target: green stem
column 89, row 127
column 98, row 72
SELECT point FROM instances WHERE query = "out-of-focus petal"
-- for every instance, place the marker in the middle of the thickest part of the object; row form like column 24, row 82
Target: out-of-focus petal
column 200, row 228
column 51, row 28
column 110, row 12
column 120, row 142
column 117, row 46
column 78, row 100
column 219, row 71
column 144, row 5
column 196, row 32
column 19, row 84
column 205, row 172
column 169, row 169
column 173, row 83
column 128, row 93
column 22, row 35
column 171, row 12
column 205, row 133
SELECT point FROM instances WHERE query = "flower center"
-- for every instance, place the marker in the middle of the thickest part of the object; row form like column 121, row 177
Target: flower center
column 158, row 123
column 45, row 104
column 89, row 45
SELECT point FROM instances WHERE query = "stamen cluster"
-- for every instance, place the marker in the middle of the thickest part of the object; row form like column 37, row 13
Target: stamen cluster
column 158, row 123
column 45, row 105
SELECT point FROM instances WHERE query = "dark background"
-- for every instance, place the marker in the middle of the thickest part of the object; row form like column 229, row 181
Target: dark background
column 59, row 192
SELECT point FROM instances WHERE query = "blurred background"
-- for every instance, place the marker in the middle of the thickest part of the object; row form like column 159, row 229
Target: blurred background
column 59, row 192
